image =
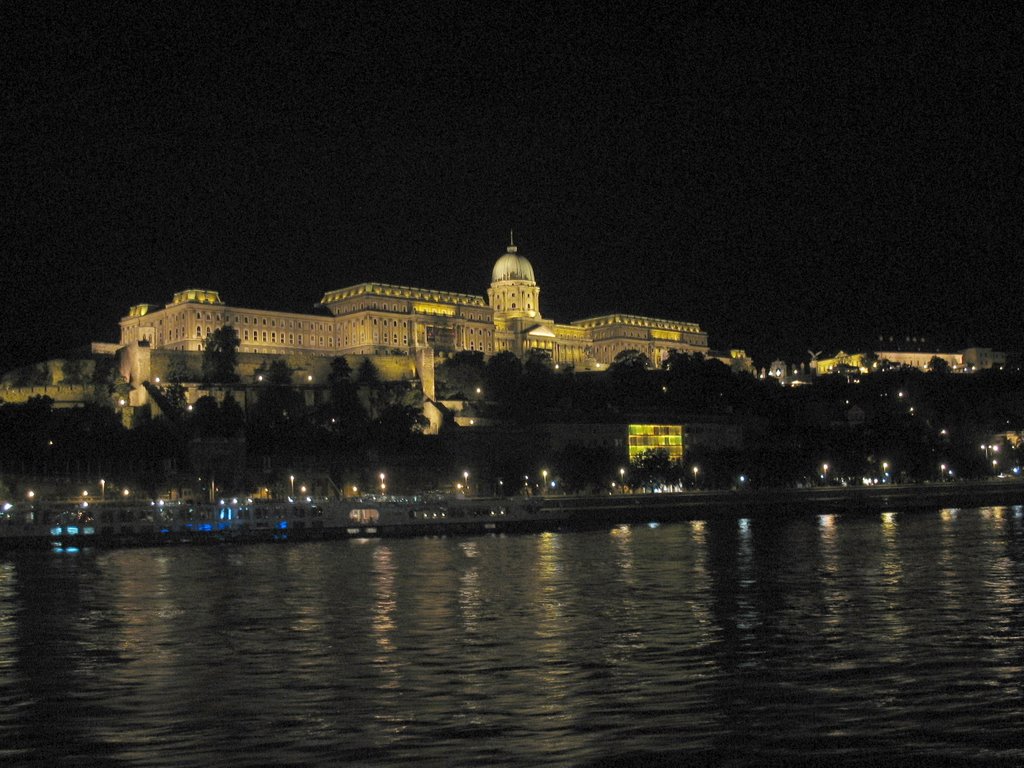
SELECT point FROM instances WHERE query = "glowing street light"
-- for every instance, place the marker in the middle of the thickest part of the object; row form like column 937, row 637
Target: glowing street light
column 696, row 471
column 291, row 480
column 103, row 489
column 465, row 477
column 125, row 492
column 544, row 474
column 31, row 495
column 382, row 485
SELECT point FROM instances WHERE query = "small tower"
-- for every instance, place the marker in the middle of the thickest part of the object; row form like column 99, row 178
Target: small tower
column 514, row 291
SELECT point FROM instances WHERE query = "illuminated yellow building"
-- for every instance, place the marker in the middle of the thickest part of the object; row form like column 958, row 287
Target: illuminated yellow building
column 656, row 437
column 378, row 318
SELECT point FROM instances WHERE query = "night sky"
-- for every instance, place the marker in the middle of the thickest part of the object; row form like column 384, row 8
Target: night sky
column 788, row 177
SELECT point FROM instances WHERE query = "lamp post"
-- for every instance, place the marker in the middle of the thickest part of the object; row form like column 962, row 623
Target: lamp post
column 696, row 470
column 465, row 477
column 544, row 474
column 382, row 485
column 291, row 479
column 622, row 478
column 103, row 489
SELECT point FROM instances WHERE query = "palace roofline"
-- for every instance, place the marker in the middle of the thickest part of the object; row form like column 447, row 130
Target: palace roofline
column 400, row 292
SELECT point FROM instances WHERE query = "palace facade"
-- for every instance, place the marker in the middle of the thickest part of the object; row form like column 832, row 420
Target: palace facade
column 381, row 319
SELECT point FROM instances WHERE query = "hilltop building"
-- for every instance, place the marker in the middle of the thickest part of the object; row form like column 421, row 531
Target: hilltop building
column 377, row 318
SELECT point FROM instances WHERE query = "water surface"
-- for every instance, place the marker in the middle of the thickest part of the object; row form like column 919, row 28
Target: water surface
column 890, row 638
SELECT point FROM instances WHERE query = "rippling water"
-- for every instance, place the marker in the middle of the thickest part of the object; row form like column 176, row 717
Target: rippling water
column 894, row 638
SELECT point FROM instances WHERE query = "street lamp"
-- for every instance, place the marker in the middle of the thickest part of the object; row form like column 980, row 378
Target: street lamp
column 125, row 492
column 382, row 486
column 696, row 470
column 31, row 495
column 544, row 474
column 103, row 489
column 824, row 472
column 291, row 479
column 465, row 477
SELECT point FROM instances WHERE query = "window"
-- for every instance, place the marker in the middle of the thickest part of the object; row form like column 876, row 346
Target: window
column 199, row 331
column 300, row 339
column 264, row 335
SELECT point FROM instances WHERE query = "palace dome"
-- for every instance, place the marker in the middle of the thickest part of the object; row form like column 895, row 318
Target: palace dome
column 512, row 266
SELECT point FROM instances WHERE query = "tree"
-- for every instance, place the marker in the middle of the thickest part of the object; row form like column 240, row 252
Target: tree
column 631, row 380
column 461, row 374
column 938, row 366
column 630, row 359
column 232, row 418
column 653, row 468
column 367, row 375
column 74, row 372
column 340, row 376
column 371, row 388
column 501, row 376
column 220, row 356
column 277, row 420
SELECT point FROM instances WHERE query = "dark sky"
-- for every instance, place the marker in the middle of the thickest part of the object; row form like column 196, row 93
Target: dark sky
column 786, row 178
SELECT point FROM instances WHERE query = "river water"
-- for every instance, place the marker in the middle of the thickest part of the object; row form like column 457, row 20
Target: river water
column 892, row 638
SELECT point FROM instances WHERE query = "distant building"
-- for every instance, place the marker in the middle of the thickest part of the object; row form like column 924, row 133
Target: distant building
column 378, row 318
column 629, row 440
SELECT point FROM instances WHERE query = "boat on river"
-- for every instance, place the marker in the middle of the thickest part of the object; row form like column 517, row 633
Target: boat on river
column 113, row 524
column 78, row 524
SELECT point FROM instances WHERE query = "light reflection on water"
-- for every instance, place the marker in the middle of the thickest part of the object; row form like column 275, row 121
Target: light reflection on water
column 824, row 638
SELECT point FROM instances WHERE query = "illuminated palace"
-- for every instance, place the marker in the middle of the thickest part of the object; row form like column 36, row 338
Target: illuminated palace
column 382, row 319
